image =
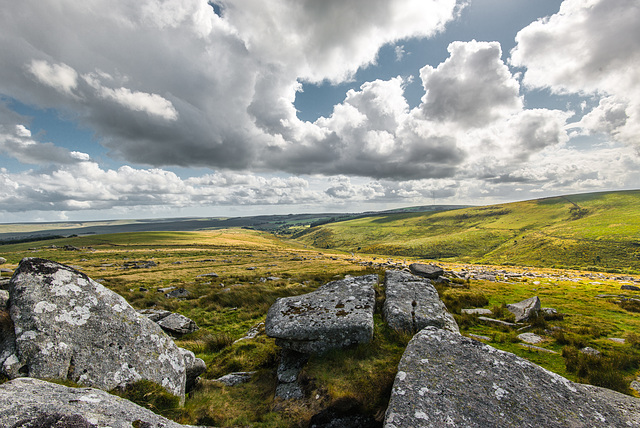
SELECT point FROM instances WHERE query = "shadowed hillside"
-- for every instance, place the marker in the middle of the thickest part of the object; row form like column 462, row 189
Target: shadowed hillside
column 599, row 231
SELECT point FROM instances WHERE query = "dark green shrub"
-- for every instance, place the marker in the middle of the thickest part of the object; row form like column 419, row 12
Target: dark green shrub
column 602, row 370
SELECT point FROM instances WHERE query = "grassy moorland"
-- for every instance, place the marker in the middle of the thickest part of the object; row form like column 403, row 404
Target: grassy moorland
column 598, row 231
column 254, row 268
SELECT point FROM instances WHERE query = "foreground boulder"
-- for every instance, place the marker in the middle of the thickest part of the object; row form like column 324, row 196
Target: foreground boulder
column 34, row 403
column 336, row 315
column 445, row 379
column 68, row 326
column 525, row 310
column 412, row 303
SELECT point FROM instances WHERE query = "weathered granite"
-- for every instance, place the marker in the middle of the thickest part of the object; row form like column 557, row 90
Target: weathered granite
column 445, row 379
column 526, row 309
column 412, row 303
column 34, row 403
column 336, row 315
column 154, row 315
column 476, row 311
column 194, row 367
column 4, row 299
column 177, row 324
column 68, row 326
column 2, row 260
column 426, row 271
column 531, row 338
column 236, row 378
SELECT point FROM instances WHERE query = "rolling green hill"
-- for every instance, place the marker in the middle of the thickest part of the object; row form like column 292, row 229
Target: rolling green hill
column 596, row 231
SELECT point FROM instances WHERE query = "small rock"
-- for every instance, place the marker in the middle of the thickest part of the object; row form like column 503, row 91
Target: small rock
column 154, row 315
column 210, row 274
column 537, row 348
column 630, row 288
column 233, row 379
column 617, row 339
column 590, row 351
column 525, row 309
column 177, row 324
column 429, row 271
column 179, row 293
column 500, row 322
column 2, row 260
column 530, row 338
column 165, row 289
column 479, row 337
column 477, row 311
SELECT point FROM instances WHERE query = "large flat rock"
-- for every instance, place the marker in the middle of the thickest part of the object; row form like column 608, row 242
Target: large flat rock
column 68, row 326
column 413, row 303
column 336, row 315
column 445, row 379
column 28, row 402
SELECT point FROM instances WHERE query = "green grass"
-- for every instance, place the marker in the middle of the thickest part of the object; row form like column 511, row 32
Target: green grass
column 603, row 234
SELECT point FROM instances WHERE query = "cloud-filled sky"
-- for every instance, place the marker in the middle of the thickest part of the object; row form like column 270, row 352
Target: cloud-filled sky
column 164, row 108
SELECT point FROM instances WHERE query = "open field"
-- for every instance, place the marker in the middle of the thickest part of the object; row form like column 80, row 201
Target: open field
column 254, row 268
column 599, row 231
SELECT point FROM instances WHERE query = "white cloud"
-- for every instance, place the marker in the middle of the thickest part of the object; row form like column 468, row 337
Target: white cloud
column 58, row 76
column 589, row 47
column 152, row 104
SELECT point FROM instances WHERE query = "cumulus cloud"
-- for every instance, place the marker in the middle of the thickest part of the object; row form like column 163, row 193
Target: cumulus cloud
column 589, row 47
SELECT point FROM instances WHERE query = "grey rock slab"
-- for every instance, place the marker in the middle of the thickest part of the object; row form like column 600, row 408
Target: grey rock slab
column 177, row 324
column 495, row 321
column 445, row 379
column 476, row 311
column 2, row 260
column 429, row 271
column 413, row 303
column 233, row 379
column 194, row 367
column 630, row 287
column 525, row 309
column 336, row 315
column 68, row 326
column 531, row 338
column 28, row 402
column 178, row 293
column 154, row 315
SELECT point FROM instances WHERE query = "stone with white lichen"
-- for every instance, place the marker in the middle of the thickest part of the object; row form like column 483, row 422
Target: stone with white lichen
column 336, row 315
column 68, row 326
column 445, row 379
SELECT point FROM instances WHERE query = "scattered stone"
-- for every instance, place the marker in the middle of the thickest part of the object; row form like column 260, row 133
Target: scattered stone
column 537, row 348
column 479, row 337
column 6, row 270
column 426, row 271
column 486, row 277
column 178, row 293
column 476, row 311
column 590, row 351
column 4, row 299
column 526, row 309
column 412, row 303
column 34, row 403
column 194, row 367
column 233, row 379
column 338, row 314
column 2, row 260
column 165, row 289
column 617, row 340
column 251, row 268
column 144, row 290
column 177, row 324
column 445, row 379
column 210, row 274
column 154, row 315
column 71, row 327
column 253, row 332
column 71, row 248
column 630, row 287
column 531, row 338
column 141, row 264
column 548, row 312
column 495, row 321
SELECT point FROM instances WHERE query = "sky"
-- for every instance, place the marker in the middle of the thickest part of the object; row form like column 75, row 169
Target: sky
column 131, row 109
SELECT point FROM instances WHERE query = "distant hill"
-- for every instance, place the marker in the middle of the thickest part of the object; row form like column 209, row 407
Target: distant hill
column 281, row 224
column 596, row 231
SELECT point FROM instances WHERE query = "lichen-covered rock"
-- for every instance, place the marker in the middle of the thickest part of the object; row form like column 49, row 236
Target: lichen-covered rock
column 426, row 271
column 412, row 303
column 336, row 315
column 68, row 326
column 194, row 367
column 31, row 403
column 445, row 379
column 177, row 324
column 526, row 309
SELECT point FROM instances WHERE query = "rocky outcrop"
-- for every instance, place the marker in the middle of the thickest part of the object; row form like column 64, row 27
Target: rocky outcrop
column 34, row 403
column 194, row 367
column 445, row 379
column 525, row 310
column 426, row 271
column 176, row 325
column 336, row 315
column 412, row 303
column 68, row 326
